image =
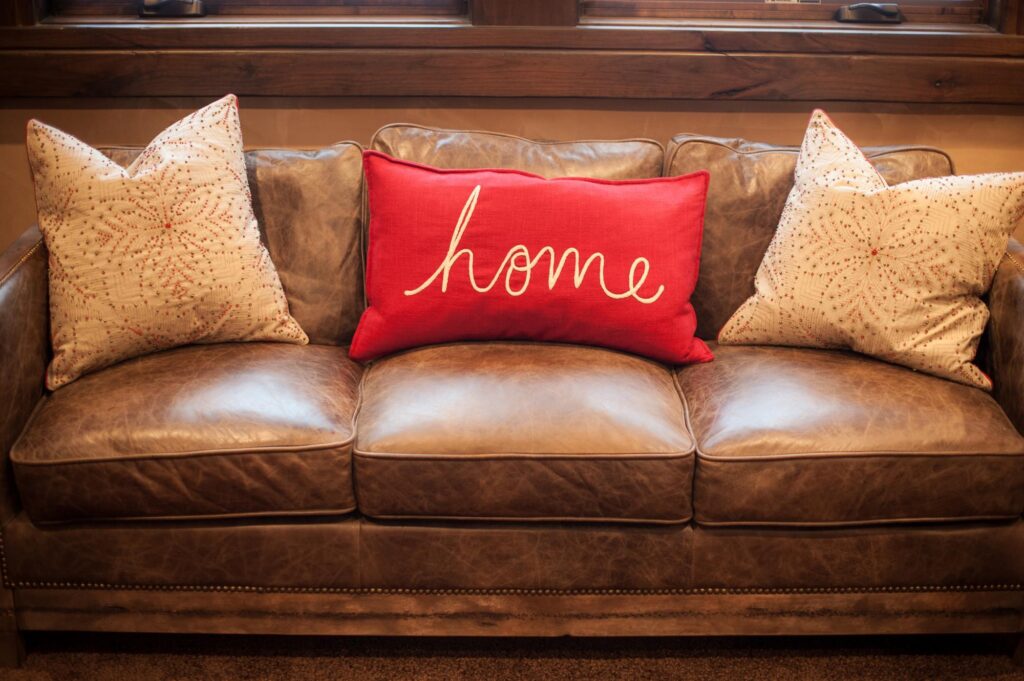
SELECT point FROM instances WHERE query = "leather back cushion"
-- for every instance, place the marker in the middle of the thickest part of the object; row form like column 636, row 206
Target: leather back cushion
column 309, row 207
column 610, row 160
column 749, row 186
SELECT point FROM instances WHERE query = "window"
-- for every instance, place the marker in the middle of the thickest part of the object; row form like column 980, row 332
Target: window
column 272, row 7
column 929, row 11
column 597, row 11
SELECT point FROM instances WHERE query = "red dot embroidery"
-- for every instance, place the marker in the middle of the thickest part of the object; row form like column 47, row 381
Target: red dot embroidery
column 890, row 271
column 156, row 254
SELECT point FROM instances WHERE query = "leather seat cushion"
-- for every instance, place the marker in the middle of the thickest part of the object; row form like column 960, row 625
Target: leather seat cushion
column 790, row 436
column 522, row 431
column 235, row 429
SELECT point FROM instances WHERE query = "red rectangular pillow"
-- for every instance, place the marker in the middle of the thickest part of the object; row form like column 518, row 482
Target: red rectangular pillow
column 502, row 254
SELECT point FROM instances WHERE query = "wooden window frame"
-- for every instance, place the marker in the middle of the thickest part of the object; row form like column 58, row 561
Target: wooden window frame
column 925, row 11
column 512, row 48
column 265, row 8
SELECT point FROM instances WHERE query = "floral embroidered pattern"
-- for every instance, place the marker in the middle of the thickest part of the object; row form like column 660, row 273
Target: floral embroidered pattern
column 894, row 272
column 162, row 253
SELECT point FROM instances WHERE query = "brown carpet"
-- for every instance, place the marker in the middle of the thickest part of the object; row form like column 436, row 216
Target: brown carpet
column 115, row 657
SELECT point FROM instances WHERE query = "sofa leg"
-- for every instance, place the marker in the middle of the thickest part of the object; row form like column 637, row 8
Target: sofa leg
column 12, row 646
column 1018, row 652
column 12, row 649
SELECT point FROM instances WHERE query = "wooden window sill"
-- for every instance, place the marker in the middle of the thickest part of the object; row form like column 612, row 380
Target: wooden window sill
column 640, row 58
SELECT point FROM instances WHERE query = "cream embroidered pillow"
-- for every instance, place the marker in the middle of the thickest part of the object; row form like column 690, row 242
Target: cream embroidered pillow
column 894, row 272
column 162, row 253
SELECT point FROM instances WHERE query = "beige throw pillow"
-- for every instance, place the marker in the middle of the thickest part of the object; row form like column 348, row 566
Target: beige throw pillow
column 162, row 253
column 893, row 272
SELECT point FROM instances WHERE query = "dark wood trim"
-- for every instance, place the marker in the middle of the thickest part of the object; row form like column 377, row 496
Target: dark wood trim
column 1007, row 16
column 723, row 37
column 1012, row 19
column 497, row 73
column 462, row 614
column 449, row 56
column 12, row 648
column 21, row 12
column 935, row 11
column 524, row 12
column 129, row 8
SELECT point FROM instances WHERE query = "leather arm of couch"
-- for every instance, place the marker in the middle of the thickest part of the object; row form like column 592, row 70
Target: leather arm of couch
column 1006, row 302
column 24, row 347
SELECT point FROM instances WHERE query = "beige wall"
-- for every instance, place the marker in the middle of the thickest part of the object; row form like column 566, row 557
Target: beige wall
column 980, row 139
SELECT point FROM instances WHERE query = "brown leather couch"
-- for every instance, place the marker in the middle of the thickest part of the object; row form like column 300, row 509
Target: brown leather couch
column 509, row 488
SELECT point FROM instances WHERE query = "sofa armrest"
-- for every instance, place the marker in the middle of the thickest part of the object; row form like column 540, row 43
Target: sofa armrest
column 24, row 347
column 1006, row 301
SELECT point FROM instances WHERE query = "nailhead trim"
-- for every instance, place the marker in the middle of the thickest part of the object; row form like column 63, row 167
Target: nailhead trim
column 21, row 261
column 517, row 592
column 697, row 591
column 3, row 559
column 1013, row 261
column 8, row 584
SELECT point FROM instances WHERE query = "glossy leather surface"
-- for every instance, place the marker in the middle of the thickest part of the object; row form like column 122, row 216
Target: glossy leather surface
column 309, row 208
column 749, row 186
column 449, row 406
column 200, row 431
column 859, row 558
column 1006, row 333
column 268, row 552
column 816, row 437
column 352, row 553
column 24, row 346
column 525, row 556
column 611, row 160
column 522, row 431
column 355, row 553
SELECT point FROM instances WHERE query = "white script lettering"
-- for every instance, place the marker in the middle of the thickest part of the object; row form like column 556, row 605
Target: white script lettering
column 518, row 260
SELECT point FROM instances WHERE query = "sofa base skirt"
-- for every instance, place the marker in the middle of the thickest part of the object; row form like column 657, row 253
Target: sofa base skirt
column 391, row 614
column 356, row 576
column 353, row 554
